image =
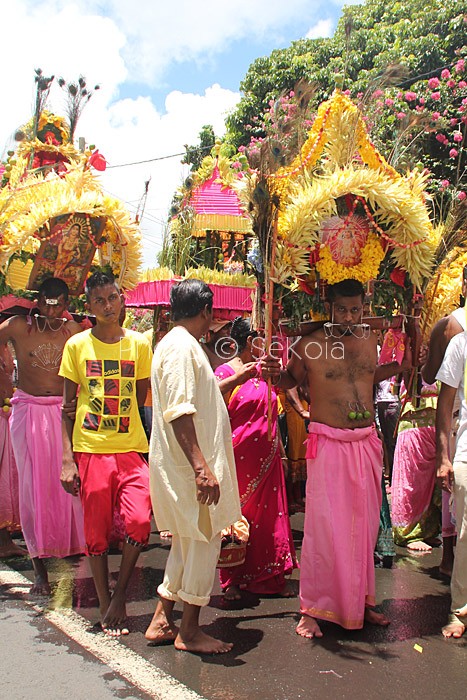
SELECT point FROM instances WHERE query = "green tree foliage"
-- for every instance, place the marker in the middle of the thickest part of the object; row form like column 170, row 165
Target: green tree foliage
column 422, row 38
column 195, row 154
column 422, row 35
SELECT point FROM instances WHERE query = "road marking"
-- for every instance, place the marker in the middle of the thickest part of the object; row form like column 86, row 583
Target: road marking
column 127, row 663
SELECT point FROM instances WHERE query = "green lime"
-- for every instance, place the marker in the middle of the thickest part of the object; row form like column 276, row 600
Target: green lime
column 351, row 415
column 366, row 414
column 359, row 415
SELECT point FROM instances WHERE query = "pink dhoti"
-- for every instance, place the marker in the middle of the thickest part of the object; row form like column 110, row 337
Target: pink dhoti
column 51, row 519
column 343, row 501
column 9, row 499
column 413, row 476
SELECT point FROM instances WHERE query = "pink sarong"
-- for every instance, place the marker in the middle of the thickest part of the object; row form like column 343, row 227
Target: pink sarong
column 343, row 501
column 51, row 519
column 413, row 476
column 9, row 500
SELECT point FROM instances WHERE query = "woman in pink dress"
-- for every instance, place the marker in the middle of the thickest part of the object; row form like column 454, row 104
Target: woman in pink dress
column 270, row 551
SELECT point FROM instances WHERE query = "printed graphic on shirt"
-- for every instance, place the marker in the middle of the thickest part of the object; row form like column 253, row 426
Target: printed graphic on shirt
column 110, row 393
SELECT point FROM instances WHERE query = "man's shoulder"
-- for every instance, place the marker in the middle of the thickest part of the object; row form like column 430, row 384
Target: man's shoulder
column 73, row 327
column 79, row 337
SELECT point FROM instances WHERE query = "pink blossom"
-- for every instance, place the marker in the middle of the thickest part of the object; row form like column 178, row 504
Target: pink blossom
column 451, row 83
column 435, row 95
column 377, row 93
column 346, row 92
column 440, row 137
column 460, row 65
column 444, row 183
column 359, row 95
column 433, row 83
column 462, row 84
column 453, row 153
column 399, row 95
column 388, row 102
column 400, row 115
column 410, row 96
column 453, row 121
column 445, row 74
column 457, row 137
column 435, row 116
column 461, row 195
column 422, row 100
column 292, row 93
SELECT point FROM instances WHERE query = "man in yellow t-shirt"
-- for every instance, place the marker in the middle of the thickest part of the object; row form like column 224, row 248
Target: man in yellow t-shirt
column 102, row 449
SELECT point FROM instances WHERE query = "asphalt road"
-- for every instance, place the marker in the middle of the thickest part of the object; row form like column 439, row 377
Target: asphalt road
column 53, row 652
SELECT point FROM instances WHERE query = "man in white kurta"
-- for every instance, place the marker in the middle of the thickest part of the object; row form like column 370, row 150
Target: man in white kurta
column 190, row 434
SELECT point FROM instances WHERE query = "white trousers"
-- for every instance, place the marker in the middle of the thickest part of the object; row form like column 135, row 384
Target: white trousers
column 191, row 566
column 459, row 572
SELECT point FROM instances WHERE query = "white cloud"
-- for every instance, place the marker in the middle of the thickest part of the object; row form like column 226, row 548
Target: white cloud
column 124, row 130
column 323, row 28
column 122, row 44
column 133, row 130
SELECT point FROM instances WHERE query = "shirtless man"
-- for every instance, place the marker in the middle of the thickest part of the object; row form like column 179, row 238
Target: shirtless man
column 344, row 459
column 51, row 520
column 9, row 504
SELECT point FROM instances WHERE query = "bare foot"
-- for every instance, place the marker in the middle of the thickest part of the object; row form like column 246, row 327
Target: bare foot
column 308, row 627
column 376, row 618
column 40, row 587
column 232, row 593
column 201, row 643
column 288, row 591
column 160, row 630
column 113, row 623
column 419, row 546
column 454, row 629
column 12, row 550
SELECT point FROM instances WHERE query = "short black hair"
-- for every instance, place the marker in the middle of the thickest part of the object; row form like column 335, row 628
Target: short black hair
column 188, row 298
column 52, row 288
column 99, row 279
column 241, row 331
column 346, row 288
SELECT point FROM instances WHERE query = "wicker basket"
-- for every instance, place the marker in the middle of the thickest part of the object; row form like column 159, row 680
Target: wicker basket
column 233, row 550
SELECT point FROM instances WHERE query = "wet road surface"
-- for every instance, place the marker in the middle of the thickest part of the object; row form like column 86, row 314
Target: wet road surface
column 269, row 661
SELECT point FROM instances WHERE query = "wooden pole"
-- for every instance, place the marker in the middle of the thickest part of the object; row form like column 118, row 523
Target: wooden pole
column 269, row 308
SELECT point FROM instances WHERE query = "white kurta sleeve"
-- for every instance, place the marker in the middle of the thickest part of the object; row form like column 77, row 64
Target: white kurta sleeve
column 177, row 383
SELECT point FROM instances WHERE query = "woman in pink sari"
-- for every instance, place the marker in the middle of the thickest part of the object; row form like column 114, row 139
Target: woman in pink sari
column 270, row 551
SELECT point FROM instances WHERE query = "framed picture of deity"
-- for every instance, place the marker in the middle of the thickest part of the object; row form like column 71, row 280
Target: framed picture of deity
column 67, row 249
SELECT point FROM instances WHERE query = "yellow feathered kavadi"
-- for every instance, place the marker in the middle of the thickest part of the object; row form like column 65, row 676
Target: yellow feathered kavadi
column 343, row 208
column 55, row 219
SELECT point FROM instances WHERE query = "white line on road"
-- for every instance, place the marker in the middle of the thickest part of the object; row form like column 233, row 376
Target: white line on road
column 139, row 672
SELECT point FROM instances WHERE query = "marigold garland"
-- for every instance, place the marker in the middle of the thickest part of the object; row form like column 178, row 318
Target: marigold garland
column 396, row 205
column 332, row 272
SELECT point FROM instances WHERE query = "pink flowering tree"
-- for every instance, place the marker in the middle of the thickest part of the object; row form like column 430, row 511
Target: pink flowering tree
column 427, row 125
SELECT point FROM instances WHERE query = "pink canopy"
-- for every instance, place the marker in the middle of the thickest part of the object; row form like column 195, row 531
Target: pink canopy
column 217, row 207
column 228, row 302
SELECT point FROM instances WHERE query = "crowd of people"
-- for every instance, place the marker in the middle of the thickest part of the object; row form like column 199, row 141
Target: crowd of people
column 235, row 436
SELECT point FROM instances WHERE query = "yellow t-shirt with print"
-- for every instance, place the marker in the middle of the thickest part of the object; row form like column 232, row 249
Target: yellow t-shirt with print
column 107, row 416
